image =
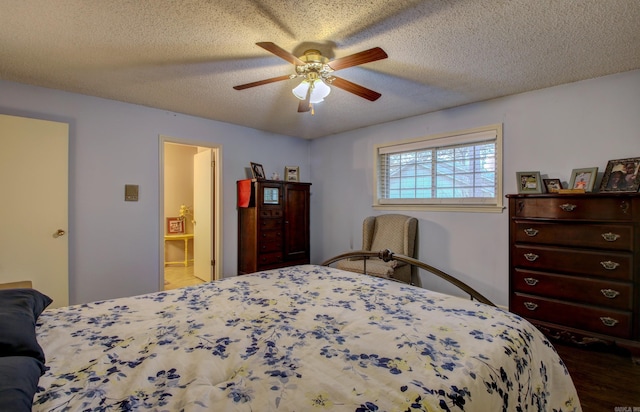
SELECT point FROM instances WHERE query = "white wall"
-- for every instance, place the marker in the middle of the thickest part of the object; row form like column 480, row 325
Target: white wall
column 553, row 131
column 115, row 245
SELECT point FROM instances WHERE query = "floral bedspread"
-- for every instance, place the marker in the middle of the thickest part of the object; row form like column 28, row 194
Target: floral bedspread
column 297, row 339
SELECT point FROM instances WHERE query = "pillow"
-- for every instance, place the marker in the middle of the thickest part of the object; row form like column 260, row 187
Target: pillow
column 19, row 310
column 19, row 377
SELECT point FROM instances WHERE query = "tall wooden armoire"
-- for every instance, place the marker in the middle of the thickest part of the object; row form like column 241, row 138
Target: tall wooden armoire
column 273, row 224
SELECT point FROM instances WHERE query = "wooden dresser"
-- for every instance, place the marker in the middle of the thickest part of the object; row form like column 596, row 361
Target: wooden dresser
column 575, row 266
column 273, row 228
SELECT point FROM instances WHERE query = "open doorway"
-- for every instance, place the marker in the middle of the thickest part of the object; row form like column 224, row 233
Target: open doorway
column 190, row 211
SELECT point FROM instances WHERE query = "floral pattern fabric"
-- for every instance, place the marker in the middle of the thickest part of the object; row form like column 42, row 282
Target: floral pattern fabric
column 303, row 338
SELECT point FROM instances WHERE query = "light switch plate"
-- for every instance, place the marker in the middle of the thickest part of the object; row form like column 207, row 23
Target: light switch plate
column 131, row 193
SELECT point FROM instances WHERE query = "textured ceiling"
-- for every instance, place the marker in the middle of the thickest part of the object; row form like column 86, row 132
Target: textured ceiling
column 185, row 56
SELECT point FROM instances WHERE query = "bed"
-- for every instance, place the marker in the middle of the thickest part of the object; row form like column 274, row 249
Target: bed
column 301, row 338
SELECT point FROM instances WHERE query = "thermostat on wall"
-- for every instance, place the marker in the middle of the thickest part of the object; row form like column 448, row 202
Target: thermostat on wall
column 131, row 193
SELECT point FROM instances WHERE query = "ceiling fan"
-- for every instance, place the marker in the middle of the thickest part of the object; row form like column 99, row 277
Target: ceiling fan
column 317, row 73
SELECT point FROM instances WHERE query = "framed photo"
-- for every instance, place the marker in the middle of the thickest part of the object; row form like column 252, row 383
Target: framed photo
column 292, row 173
column 583, row 178
column 552, row 185
column 529, row 182
column 175, row 225
column 621, row 175
column 257, row 171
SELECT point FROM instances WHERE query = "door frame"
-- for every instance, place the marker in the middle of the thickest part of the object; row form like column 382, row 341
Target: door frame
column 217, row 203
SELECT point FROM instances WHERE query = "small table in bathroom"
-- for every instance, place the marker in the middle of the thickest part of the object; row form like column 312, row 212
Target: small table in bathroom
column 185, row 237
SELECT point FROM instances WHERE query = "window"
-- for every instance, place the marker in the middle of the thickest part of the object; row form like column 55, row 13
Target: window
column 453, row 171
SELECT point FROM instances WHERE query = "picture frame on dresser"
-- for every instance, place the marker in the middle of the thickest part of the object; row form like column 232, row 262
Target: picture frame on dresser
column 292, row 173
column 529, row 182
column 552, row 185
column 257, row 170
column 583, row 178
column 621, row 175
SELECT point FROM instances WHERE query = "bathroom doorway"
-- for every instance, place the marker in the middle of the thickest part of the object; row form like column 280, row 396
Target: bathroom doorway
column 190, row 210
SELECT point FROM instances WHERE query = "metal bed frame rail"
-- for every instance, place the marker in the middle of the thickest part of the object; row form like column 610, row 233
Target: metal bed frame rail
column 387, row 255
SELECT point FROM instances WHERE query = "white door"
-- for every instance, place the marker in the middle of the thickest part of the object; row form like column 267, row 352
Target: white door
column 203, row 215
column 34, row 170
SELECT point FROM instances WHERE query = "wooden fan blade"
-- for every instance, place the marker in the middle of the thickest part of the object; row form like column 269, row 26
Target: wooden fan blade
column 355, row 89
column 261, row 82
column 356, row 59
column 280, row 52
column 304, row 105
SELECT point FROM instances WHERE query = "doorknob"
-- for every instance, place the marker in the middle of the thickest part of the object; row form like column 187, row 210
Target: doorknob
column 59, row 233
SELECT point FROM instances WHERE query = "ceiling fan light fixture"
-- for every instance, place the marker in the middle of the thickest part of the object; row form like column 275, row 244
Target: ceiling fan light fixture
column 319, row 91
column 316, row 72
column 300, row 91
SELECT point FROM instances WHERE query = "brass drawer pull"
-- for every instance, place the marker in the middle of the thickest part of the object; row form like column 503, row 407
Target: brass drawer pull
column 609, row 265
column 568, row 207
column 532, row 281
column 609, row 293
column 610, row 237
column 625, row 207
column 531, row 232
column 607, row 321
column 531, row 257
column 530, row 305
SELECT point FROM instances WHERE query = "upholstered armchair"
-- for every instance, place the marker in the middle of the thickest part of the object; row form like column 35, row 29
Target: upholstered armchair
column 391, row 231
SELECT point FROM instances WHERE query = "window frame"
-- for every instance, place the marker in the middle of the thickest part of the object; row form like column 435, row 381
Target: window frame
column 495, row 205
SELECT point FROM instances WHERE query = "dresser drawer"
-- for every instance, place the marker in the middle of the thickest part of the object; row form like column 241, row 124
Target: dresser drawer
column 608, row 264
column 269, row 258
column 618, row 295
column 574, row 207
column 269, row 213
column 271, row 242
column 268, row 224
column 614, row 237
column 590, row 318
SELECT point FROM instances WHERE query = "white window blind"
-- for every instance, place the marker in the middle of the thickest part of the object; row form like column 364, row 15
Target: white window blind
column 456, row 170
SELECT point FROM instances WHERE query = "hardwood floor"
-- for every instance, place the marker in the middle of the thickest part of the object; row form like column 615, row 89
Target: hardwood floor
column 604, row 381
column 179, row 276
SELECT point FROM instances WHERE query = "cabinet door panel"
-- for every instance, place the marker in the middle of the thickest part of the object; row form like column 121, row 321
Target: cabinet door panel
column 296, row 221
